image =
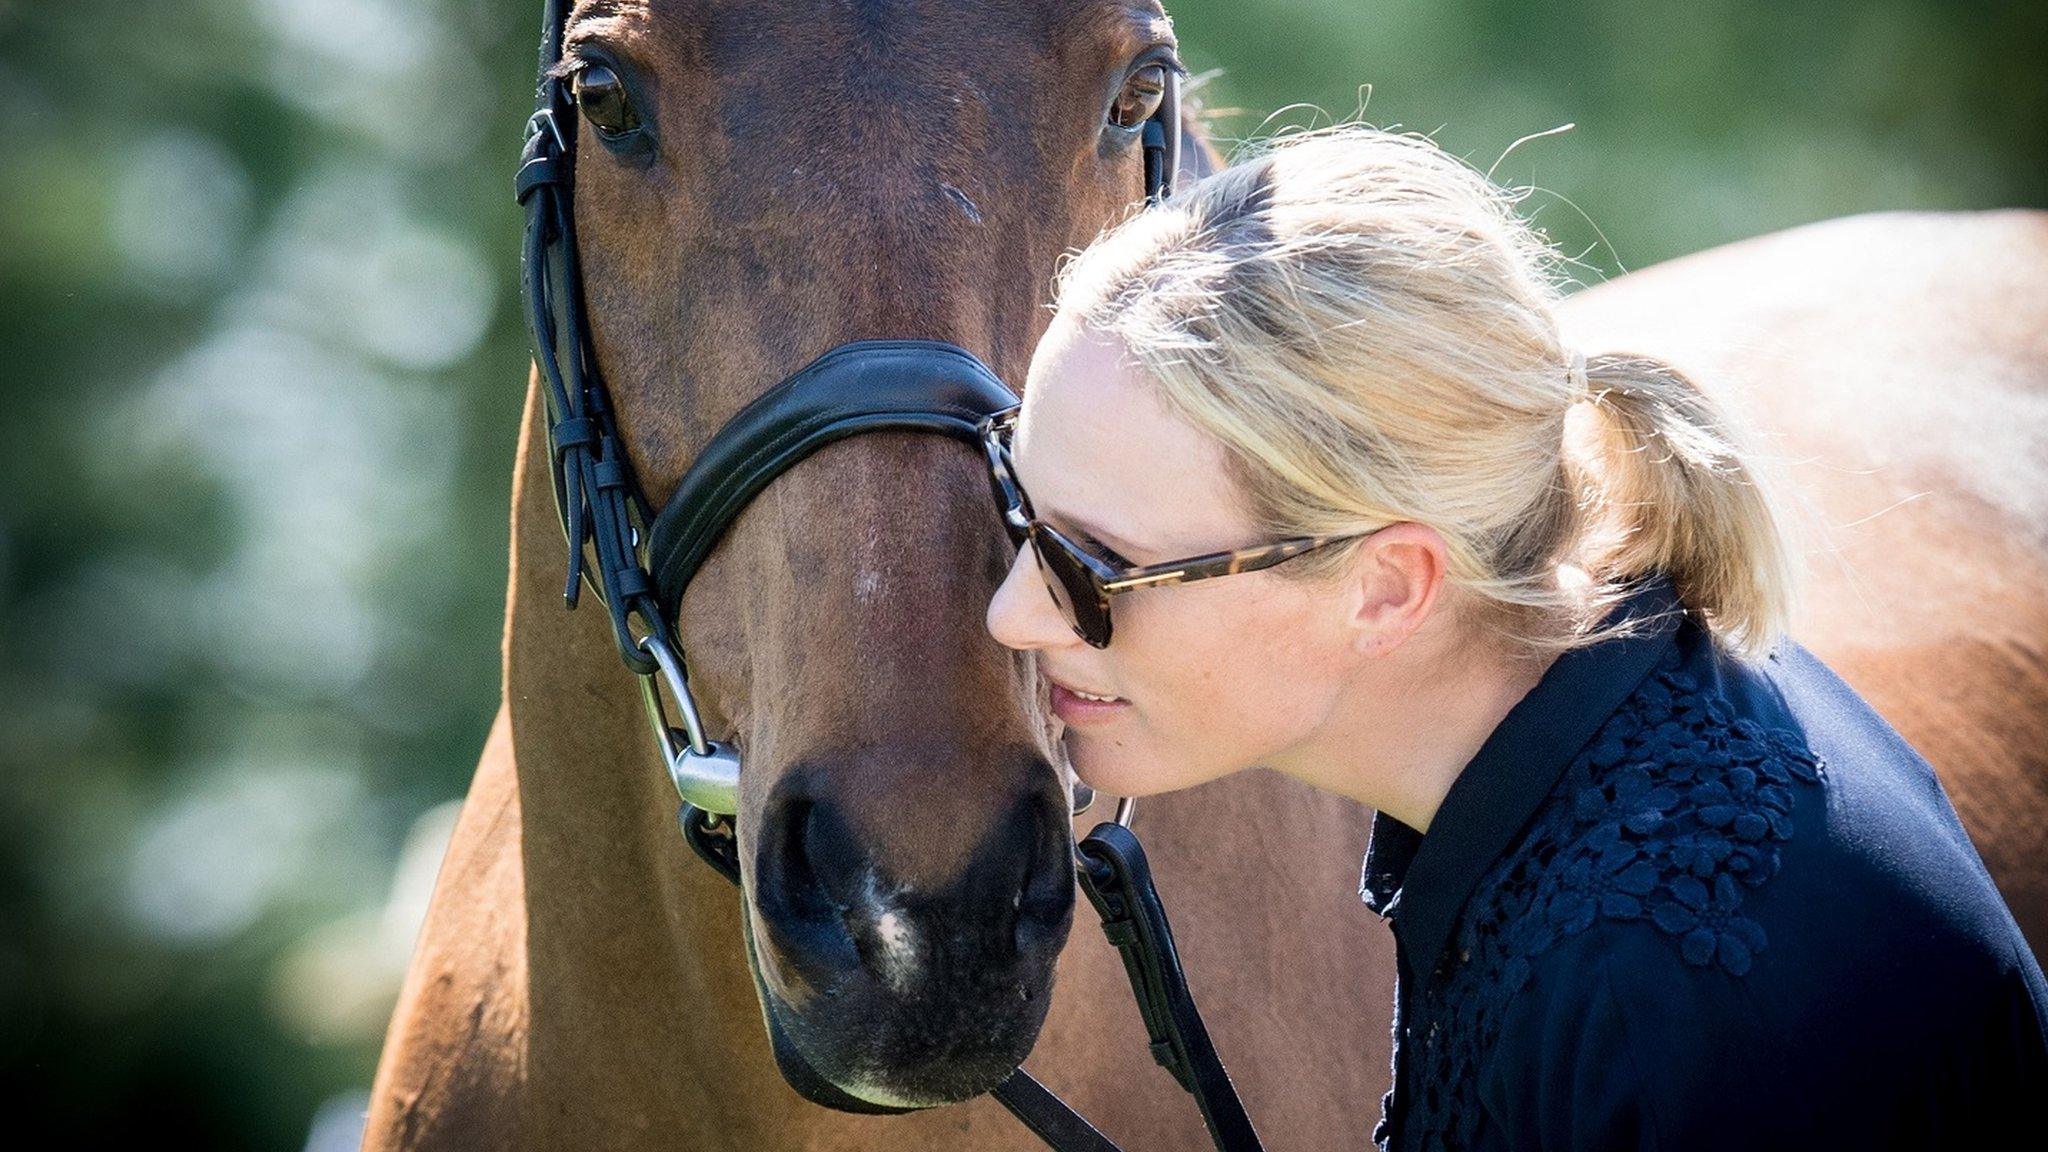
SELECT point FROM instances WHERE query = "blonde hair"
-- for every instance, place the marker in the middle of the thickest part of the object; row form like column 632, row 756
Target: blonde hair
column 1367, row 328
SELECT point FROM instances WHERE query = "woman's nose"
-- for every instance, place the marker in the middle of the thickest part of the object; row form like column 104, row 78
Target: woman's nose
column 1022, row 614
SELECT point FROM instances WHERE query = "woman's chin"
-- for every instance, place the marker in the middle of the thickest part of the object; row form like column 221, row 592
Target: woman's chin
column 1114, row 779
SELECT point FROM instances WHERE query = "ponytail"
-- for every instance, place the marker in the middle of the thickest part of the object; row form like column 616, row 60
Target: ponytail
column 1682, row 493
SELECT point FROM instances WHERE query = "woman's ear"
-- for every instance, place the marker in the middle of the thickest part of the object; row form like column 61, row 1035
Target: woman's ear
column 1396, row 576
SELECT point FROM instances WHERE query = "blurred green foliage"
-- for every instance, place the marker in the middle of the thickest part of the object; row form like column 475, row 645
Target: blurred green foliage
column 263, row 369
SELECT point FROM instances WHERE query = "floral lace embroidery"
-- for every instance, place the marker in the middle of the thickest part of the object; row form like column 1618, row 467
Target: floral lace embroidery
column 1674, row 810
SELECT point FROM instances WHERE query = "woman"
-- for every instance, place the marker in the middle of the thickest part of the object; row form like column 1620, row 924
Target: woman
column 1656, row 876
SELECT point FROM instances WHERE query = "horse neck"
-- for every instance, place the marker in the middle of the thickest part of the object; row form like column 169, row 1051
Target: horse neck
column 634, row 947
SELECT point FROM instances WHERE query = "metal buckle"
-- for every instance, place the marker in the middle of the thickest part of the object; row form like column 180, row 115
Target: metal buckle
column 705, row 772
column 545, row 118
column 1080, row 798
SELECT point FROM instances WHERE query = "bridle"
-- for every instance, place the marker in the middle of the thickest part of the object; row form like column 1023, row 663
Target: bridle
column 856, row 387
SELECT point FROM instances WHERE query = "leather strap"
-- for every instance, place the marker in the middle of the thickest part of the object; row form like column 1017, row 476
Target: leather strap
column 1062, row 1128
column 862, row 386
column 596, row 494
column 1118, row 881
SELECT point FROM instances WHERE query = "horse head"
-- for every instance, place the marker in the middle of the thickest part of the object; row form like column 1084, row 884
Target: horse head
column 756, row 183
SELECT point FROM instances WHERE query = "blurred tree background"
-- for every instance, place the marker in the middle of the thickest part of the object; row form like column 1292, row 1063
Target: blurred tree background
column 263, row 368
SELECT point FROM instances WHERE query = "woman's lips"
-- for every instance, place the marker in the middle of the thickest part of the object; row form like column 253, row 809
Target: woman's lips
column 1079, row 710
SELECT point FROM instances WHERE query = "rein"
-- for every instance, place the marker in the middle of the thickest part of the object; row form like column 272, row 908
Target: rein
column 639, row 563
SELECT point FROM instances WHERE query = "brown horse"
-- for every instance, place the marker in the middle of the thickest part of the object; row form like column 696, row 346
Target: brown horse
column 865, row 170
column 800, row 177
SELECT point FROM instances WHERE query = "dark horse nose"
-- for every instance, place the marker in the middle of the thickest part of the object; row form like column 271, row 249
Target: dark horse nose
column 846, row 902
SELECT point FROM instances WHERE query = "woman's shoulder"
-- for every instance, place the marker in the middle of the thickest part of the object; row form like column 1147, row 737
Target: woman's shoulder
column 1711, row 825
column 1675, row 816
column 1874, row 853
column 1716, row 904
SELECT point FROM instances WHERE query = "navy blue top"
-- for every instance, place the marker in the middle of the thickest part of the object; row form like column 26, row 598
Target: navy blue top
column 1680, row 901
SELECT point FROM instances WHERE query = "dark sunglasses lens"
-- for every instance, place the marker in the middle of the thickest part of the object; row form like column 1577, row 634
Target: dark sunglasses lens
column 1072, row 590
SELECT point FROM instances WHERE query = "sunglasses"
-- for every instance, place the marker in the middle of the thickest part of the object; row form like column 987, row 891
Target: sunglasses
column 1082, row 583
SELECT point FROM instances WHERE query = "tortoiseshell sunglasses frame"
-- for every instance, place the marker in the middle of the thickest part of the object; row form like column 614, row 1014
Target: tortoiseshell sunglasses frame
column 1105, row 579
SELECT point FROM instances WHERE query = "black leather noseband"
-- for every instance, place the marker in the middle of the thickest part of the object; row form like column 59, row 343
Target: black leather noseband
column 863, row 386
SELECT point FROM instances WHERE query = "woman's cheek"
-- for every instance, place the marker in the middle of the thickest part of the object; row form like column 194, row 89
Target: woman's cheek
column 1177, row 672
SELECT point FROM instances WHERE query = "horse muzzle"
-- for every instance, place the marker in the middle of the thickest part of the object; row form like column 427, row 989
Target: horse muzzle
column 904, row 993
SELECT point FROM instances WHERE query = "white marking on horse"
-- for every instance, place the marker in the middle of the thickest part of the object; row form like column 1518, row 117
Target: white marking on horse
column 897, row 960
column 867, row 577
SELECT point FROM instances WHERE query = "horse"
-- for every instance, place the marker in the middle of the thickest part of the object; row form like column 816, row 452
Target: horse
column 821, row 175
column 761, row 182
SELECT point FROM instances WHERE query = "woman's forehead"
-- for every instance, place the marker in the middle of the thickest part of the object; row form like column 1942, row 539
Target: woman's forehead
column 1097, row 448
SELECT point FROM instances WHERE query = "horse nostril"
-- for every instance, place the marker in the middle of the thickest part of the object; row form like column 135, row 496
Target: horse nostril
column 802, row 847
column 1043, row 901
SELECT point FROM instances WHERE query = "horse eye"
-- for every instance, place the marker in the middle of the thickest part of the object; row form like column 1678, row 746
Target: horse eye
column 603, row 101
column 1140, row 97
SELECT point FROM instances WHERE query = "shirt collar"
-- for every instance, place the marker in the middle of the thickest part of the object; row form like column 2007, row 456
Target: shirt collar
column 1420, row 882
